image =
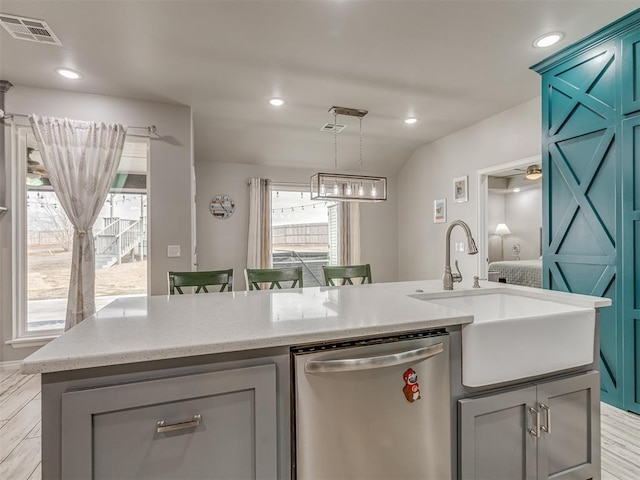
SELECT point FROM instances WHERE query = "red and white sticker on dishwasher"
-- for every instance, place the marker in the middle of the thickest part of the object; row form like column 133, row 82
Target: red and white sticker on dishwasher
column 411, row 388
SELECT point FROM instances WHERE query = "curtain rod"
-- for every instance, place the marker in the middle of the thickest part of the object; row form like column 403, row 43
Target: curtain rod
column 151, row 129
column 285, row 184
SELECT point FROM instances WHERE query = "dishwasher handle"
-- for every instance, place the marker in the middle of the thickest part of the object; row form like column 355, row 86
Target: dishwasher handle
column 368, row 363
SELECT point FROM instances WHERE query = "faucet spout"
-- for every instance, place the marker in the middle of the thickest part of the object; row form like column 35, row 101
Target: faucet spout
column 449, row 278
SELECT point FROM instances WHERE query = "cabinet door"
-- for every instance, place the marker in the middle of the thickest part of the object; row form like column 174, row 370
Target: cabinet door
column 112, row 432
column 495, row 442
column 569, row 445
column 630, row 73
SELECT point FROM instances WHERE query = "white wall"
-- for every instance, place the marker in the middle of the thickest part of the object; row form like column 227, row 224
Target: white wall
column 169, row 180
column 428, row 175
column 223, row 243
column 523, row 215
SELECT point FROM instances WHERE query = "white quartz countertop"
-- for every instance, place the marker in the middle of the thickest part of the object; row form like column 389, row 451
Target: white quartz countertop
column 140, row 329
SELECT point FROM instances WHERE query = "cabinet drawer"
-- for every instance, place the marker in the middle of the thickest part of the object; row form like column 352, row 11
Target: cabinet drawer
column 225, row 427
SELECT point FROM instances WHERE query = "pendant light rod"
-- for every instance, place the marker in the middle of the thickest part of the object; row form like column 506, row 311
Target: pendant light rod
column 352, row 112
column 335, row 141
column 360, row 161
column 344, row 187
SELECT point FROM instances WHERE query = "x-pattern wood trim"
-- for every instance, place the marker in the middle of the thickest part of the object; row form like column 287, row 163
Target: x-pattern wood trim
column 582, row 202
column 604, row 281
column 606, row 375
column 559, row 277
column 569, row 214
column 598, row 290
column 580, row 95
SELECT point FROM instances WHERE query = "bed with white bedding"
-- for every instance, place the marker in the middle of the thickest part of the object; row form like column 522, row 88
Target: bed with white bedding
column 521, row 272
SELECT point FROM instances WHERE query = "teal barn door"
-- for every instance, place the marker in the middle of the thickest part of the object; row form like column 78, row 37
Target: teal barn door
column 591, row 190
column 582, row 193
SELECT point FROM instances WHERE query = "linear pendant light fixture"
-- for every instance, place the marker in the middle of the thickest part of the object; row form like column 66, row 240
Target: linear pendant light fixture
column 342, row 187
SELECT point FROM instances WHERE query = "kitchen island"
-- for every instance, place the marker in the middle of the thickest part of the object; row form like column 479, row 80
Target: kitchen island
column 138, row 355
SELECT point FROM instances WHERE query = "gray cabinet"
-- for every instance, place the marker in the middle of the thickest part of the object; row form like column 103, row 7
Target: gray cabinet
column 219, row 425
column 540, row 431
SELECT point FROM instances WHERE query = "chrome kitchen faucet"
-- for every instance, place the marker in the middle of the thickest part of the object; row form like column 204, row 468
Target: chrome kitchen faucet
column 448, row 279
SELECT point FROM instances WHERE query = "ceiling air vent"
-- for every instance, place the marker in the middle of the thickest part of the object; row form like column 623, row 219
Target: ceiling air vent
column 329, row 127
column 28, row 29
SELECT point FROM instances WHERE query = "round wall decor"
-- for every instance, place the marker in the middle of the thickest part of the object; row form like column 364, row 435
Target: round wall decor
column 222, row 206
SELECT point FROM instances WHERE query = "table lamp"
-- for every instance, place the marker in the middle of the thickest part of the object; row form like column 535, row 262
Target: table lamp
column 502, row 230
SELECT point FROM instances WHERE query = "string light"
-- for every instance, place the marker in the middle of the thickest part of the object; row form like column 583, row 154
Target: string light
column 297, row 207
column 50, row 199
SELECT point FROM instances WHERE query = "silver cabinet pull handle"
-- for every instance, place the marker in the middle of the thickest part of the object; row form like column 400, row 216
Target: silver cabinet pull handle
column 367, row 363
column 162, row 427
column 535, row 431
column 547, row 423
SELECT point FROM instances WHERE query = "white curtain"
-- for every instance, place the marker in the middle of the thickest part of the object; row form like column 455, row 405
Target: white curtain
column 81, row 159
column 349, row 233
column 259, row 246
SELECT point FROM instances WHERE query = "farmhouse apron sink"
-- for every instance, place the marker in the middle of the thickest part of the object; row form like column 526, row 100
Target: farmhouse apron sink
column 515, row 336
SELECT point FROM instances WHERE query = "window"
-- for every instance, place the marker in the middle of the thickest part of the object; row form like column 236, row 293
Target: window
column 43, row 238
column 303, row 232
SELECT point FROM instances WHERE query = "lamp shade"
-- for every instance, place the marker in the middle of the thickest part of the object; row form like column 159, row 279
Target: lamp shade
column 502, row 229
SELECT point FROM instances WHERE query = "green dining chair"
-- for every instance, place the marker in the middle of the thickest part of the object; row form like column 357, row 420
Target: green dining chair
column 347, row 274
column 221, row 278
column 273, row 276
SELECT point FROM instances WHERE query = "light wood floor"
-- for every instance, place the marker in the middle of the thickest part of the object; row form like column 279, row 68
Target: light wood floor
column 20, row 433
column 19, row 426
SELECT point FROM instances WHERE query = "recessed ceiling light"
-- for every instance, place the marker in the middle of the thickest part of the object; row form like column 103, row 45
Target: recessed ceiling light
column 515, row 190
column 548, row 39
column 70, row 74
column 410, row 120
column 276, row 102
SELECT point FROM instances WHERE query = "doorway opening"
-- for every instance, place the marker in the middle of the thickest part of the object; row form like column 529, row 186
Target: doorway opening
column 510, row 223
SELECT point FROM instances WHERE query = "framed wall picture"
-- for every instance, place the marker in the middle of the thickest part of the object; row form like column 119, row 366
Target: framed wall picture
column 461, row 189
column 440, row 210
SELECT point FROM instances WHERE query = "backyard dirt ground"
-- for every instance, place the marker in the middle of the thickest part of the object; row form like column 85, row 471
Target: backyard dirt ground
column 49, row 268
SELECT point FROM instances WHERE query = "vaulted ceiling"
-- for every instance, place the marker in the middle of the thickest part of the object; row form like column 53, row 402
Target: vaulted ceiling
column 449, row 63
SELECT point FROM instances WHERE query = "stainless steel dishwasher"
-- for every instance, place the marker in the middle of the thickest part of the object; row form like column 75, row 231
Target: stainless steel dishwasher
column 374, row 409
